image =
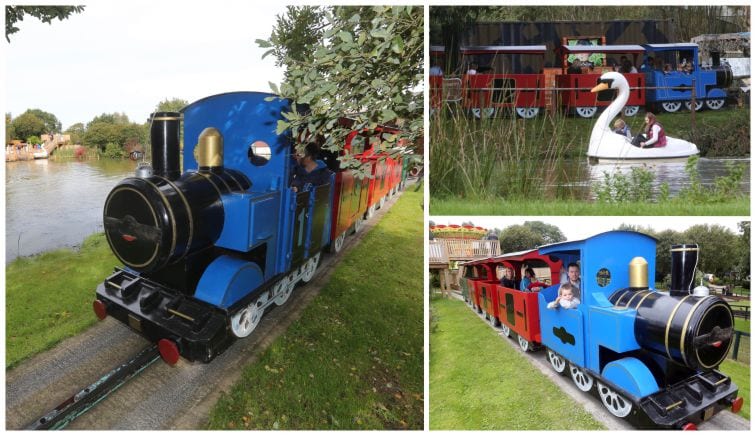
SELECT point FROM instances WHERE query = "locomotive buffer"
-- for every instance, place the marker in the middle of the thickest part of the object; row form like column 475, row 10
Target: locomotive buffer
column 88, row 397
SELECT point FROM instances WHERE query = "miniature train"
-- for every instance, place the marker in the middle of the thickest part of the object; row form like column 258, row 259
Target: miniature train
column 515, row 79
column 207, row 251
column 651, row 357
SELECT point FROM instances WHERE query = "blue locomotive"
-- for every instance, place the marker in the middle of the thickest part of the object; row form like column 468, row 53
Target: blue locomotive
column 207, row 251
column 651, row 357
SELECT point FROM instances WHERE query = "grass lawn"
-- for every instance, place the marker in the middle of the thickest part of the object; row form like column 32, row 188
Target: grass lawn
column 500, row 206
column 741, row 375
column 477, row 382
column 49, row 297
column 354, row 360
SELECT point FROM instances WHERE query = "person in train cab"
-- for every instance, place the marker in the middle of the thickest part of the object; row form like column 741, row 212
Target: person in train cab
column 573, row 277
column 575, row 68
column 653, row 135
column 508, row 280
column 436, row 70
column 309, row 171
column 473, row 69
column 621, row 128
column 566, row 298
column 528, row 277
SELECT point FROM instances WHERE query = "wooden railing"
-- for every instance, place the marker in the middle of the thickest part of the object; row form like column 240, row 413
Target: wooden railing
column 445, row 250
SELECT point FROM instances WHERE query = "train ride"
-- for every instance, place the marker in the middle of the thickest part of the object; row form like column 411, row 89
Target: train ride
column 650, row 356
column 206, row 251
column 515, row 78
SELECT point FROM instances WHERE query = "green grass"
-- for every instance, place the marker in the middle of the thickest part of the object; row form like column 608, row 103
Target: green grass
column 477, row 382
column 741, row 375
column 354, row 360
column 49, row 297
column 500, row 206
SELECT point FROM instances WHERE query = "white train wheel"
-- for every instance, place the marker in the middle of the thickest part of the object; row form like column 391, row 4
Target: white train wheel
column 630, row 111
column 527, row 112
column 586, row 112
column 505, row 329
column 557, row 362
column 671, row 106
column 615, row 403
column 582, row 379
column 310, row 267
column 697, row 107
column 524, row 344
column 245, row 321
column 285, row 289
column 715, row 103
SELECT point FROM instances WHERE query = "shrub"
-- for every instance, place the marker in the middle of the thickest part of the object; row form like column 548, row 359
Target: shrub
column 114, row 151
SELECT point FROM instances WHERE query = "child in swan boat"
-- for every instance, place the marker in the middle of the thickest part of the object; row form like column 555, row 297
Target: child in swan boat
column 654, row 134
column 621, row 128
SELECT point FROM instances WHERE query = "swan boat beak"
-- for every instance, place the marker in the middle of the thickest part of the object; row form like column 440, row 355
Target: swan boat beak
column 603, row 86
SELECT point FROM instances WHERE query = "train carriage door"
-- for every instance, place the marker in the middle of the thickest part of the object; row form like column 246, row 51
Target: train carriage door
column 301, row 221
column 320, row 214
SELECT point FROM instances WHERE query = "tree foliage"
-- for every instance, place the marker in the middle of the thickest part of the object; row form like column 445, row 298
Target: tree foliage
column 46, row 14
column 519, row 237
column 52, row 124
column 113, row 128
column 550, row 233
column 361, row 62
column 76, row 132
column 171, row 105
column 26, row 125
column 9, row 131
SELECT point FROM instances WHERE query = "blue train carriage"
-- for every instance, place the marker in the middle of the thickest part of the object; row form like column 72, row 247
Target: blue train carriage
column 207, row 251
column 666, row 87
column 651, row 357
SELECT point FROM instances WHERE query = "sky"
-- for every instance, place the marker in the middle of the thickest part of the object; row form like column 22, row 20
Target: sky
column 128, row 56
column 577, row 228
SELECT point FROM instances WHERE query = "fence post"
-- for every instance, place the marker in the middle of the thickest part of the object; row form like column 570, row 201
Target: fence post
column 736, row 347
column 693, row 106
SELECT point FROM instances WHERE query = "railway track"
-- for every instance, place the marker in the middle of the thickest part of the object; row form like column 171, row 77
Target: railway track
column 160, row 397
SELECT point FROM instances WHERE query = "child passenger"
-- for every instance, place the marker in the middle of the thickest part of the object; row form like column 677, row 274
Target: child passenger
column 565, row 298
column 621, row 128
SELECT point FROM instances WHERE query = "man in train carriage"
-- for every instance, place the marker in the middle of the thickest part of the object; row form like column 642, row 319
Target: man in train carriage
column 573, row 277
column 309, row 171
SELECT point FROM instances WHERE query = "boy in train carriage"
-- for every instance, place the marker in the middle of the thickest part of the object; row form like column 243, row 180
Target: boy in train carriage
column 309, row 171
column 565, row 299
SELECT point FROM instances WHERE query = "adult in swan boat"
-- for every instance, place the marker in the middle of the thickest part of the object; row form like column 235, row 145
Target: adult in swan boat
column 607, row 145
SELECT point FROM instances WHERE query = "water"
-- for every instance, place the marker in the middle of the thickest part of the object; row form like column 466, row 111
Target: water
column 584, row 175
column 51, row 205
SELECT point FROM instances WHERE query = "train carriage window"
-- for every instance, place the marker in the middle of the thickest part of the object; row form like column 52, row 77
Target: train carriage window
column 259, row 153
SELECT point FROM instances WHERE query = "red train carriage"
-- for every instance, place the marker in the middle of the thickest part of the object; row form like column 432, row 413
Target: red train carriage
column 517, row 311
column 437, row 54
column 481, row 272
column 578, row 97
column 507, row 77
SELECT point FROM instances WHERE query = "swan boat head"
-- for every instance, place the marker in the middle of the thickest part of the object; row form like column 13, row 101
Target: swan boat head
column 607, row 145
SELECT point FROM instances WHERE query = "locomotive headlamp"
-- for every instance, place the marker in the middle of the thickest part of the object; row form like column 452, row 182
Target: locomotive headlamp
column 638, row 273
column 210, row 149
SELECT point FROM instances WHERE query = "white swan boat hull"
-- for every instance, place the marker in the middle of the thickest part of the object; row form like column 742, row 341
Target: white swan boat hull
column 620, row 149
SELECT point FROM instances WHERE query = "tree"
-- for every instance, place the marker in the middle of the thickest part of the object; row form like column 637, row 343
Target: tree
column 172, row 105
column 549, row 233
column 744, row 249
column 365, row 62
column 76, row 132
column 52, row 125
column 665, row 240
column 99, row 134
column 46, row 14
column 518, row 238
column 716, row 243
column 9, row 131
column 26, row 125
column 114, row 118
column 296, row 31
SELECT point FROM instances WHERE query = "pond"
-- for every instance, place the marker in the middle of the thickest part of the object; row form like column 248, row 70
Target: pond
column 55, row 204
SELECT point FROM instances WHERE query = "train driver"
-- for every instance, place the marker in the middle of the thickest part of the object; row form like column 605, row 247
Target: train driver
column 573, row 277
column 309, row 171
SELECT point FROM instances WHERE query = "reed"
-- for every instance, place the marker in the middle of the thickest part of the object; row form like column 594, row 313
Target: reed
column 503, row 156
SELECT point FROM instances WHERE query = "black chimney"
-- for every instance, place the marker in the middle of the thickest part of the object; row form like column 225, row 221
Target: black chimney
column 684, row 262
column 164, row 137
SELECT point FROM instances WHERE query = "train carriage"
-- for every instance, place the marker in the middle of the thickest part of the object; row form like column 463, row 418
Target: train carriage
column 575, row 88
column 649, row 356
column 670, row 88
column 511, row 79
column 518, row 310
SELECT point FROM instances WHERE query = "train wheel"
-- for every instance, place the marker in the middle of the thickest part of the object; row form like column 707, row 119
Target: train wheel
column 310, row 267
column 338, row 243
column 358, row 225
column 715, row 103
column 494, row 321
column 244, row 321
column 285, row 288
column 482, row 113
column 630, row 111
column 381, row 202
column 524, row 343
column 582, row 380
column 527, row 112
column 370, row 212
column 505, row 329
column 697, row 107
column 586, row 112
column 557, row 362
column 671, row 106
column 615, row 403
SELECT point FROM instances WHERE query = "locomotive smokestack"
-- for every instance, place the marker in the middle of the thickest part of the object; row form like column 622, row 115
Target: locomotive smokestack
column 164, row 137
column 684, row 262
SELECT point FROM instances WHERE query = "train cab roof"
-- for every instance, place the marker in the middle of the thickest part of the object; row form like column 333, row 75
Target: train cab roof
column 604, row 259
column 438, row 50
column 671, row 47
column 503, row 49
column 624, row 48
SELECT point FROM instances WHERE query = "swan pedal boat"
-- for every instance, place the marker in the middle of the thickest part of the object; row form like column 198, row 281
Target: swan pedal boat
column 605, row 145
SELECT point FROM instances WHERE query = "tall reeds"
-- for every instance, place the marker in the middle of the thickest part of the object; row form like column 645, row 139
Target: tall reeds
column 502, row 156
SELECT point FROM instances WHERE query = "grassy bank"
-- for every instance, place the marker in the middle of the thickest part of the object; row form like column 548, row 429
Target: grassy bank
column 741, row 375
column 500, row 206
column 49, row 297
column 477, row 381
column 354, row 360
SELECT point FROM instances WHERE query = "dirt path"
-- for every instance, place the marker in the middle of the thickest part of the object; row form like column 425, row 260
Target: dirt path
column 162, row 397
column 724, row 420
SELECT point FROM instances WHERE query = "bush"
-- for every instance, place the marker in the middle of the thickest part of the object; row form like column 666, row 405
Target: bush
column 34, row 139
column 114, row 151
